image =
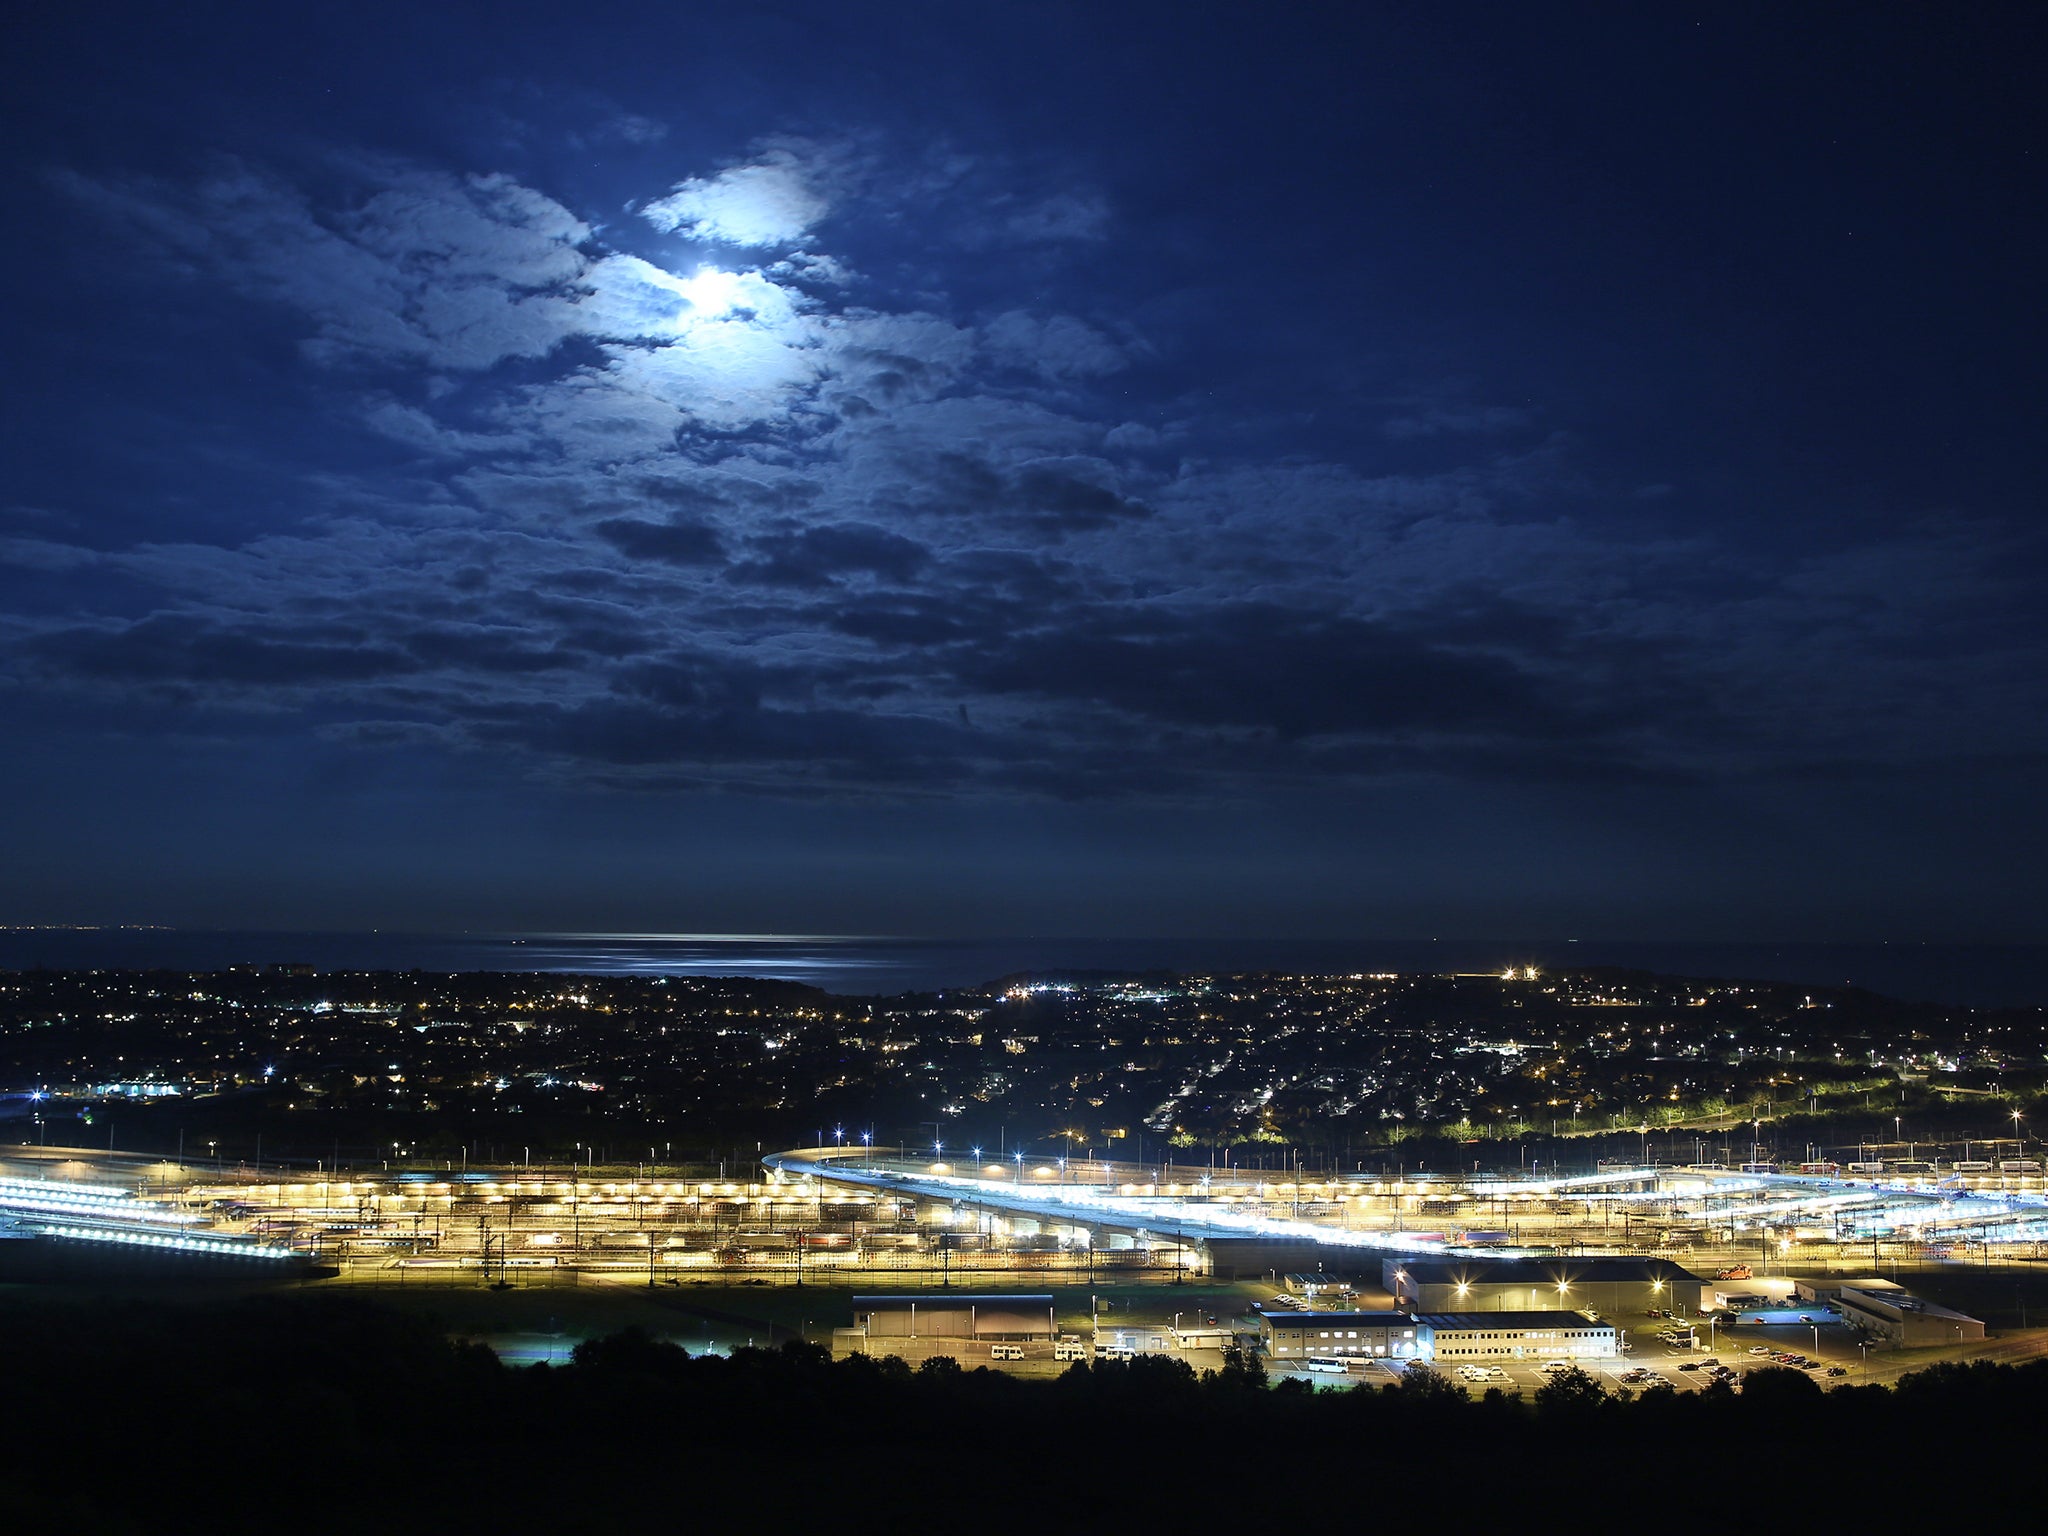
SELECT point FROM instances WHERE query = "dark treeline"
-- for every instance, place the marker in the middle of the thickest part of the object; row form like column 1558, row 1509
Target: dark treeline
column 281, row 1415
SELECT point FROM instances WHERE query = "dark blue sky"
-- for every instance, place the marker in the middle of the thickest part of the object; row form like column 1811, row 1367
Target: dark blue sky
column 1402, row 470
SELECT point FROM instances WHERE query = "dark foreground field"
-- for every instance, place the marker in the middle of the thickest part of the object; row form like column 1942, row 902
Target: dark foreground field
column 331, row 1414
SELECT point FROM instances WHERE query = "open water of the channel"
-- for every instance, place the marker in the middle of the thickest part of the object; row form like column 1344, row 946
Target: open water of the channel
column 1977, row 975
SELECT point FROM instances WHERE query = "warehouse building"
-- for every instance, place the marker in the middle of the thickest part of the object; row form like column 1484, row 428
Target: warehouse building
column 924, row 1315
column 1893, row 1313
column 1616, row 1287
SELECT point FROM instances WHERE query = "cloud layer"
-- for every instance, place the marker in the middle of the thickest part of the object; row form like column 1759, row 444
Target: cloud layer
column 692, row 500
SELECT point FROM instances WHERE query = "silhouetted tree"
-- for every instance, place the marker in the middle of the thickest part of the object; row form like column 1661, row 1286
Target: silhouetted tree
column 1570, row 1390
column 1421, row 1384
column 1779, row 1386
column 1243, row 1371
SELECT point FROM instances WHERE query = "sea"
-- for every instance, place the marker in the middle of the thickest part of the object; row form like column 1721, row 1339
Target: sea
column 2009, row 975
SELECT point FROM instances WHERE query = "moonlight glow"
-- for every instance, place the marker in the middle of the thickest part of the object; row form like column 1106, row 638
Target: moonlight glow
column 711, row 293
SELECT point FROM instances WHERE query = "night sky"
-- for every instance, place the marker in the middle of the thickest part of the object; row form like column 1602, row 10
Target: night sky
column 1396, row 470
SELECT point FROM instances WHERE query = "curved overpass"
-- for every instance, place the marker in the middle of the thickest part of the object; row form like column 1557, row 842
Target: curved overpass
column 1093, row 1207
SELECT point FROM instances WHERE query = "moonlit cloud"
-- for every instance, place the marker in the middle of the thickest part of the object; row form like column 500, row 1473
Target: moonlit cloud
column 670, row 519
column 772, row 200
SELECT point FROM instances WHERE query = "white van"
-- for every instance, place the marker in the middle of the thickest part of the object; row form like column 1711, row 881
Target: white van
column 1069, row 1350
column 1006, row 1351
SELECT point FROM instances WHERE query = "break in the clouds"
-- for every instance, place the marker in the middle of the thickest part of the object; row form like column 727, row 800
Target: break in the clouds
column 691, row 495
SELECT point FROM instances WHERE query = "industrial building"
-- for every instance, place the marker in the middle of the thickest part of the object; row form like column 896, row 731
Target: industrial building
column 1480, row 1337
column 1893, row 1313
column 1459, row 1336
column 1366, row 1335
column 1613, row 1286
column 923, row 1315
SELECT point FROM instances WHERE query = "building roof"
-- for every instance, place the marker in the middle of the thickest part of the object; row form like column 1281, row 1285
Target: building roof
column 1473, row 1322
column 1903, row 1303
column 1598, row 1271
column 1282, row 1319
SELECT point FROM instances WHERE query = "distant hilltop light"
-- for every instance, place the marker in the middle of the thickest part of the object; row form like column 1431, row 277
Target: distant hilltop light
column 1522, row 973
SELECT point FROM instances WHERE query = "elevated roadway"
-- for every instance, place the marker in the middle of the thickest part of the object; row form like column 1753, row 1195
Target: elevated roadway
column 1220, row 1217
